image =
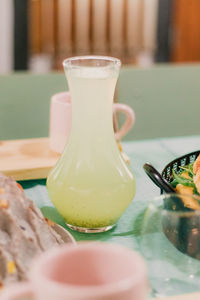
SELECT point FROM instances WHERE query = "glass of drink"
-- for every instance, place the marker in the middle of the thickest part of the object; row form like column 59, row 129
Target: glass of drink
column 170, row 243
column 91, row 185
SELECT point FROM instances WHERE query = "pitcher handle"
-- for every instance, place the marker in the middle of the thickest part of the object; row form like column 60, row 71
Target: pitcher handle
column 16, row 291
column 130, row 119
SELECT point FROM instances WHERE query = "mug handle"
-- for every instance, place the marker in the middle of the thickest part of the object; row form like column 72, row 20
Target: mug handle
column 130, row 119
column 16, row 291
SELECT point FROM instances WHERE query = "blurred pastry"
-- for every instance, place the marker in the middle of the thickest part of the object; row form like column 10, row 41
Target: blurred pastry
column 24, row 232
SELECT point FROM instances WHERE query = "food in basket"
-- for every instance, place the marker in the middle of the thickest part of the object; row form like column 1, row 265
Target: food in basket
column 24, row 232
column 187, row 181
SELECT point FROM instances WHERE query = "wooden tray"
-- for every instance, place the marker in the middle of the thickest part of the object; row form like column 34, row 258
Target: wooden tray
column 30, row 158
column 27, row 159
column 193, row 296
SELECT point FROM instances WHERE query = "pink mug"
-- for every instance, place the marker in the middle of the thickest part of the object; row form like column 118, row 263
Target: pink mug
column 61, row 115
column 90, row 271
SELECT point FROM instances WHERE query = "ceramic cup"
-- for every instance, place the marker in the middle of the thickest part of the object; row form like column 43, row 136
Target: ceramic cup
column 61, row 116
column 90, row 271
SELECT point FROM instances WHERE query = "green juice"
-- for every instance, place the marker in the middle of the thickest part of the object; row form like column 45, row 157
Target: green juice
column 91, row 185
column 85, row 200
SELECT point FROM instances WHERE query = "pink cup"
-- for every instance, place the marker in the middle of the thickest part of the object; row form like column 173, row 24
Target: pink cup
column 91, row 271
column 61, row 117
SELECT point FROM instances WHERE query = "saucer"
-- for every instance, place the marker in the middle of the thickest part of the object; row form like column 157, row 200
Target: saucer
column 65, row 235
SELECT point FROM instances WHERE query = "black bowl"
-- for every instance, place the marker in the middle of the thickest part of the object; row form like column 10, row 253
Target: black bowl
column 180, row 161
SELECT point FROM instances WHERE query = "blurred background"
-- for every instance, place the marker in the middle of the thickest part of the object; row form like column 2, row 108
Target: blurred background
column 37, row 35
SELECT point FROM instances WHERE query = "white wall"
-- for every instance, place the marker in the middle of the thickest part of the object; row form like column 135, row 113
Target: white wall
column 6, row 36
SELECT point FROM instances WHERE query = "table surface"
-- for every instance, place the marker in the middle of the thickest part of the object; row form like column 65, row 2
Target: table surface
column 127, row 231
column 158, row 152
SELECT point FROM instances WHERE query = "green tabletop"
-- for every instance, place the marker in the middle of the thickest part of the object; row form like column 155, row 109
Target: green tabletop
column 158, row 152
column 128, row 230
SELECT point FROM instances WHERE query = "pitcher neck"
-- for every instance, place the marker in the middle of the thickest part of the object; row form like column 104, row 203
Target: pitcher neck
column 92, row 100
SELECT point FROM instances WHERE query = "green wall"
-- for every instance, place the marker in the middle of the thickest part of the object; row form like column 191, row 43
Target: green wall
column 166, row 100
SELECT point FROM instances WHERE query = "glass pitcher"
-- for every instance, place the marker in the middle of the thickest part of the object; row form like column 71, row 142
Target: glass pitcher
column 91, row 185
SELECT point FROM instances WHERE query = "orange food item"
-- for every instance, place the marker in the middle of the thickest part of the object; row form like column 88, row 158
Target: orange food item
column 196, row 180
column 196, row 165
column 120, row 147
column 4, row 203
column 185, row 175
column 2, row 191
column 182, row 189
column 19, row 186
column 49, row 222
column 11, row 267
